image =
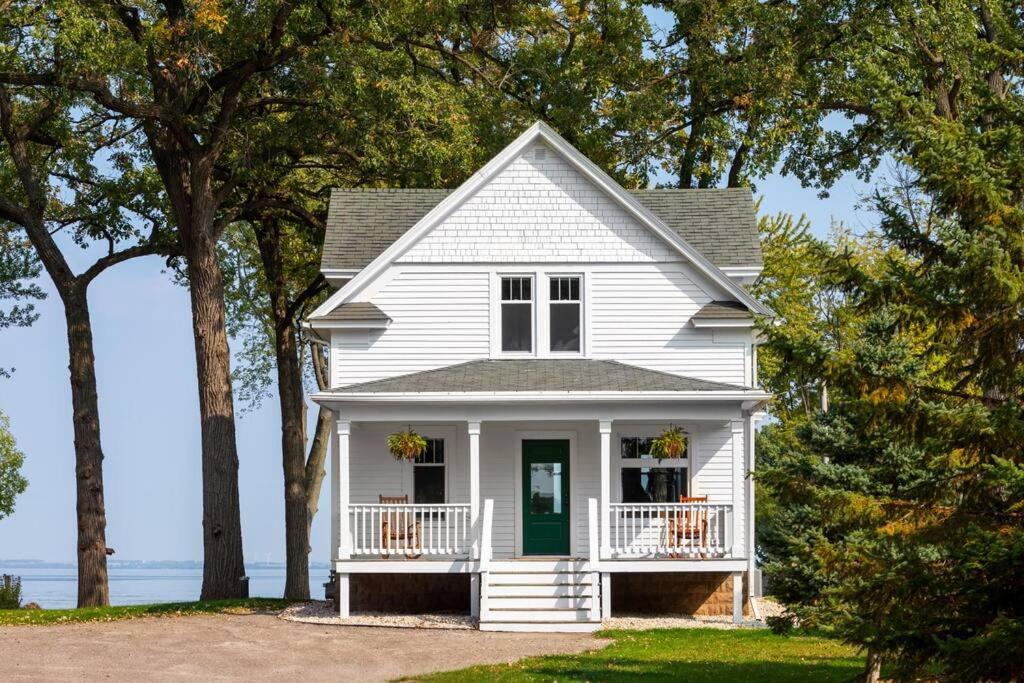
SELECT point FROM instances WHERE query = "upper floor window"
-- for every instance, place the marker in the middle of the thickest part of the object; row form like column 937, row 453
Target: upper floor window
column 517, row 314
column 428, row 474
column 565, row 317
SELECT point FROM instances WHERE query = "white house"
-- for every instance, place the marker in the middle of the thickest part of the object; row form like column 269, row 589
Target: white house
column 538, row 326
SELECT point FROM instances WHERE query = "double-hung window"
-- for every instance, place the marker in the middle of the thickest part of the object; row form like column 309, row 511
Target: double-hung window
column 645, row 479
column 428, row 474
column 517, row 314
column 565, row 315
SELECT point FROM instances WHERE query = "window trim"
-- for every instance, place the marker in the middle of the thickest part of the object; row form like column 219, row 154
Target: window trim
column 583, row 313
column 446, row 434
column 497, row 315
column 646, row 432
column 541, row 312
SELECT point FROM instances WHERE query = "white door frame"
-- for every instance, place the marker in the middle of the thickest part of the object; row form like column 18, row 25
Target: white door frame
column 530, row 435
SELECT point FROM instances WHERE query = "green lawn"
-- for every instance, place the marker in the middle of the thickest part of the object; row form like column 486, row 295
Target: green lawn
column 691, row 655
column 11, row 617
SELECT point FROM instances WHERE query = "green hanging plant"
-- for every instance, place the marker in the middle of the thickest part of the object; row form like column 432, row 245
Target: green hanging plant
column 671, row 443
column 407, row 445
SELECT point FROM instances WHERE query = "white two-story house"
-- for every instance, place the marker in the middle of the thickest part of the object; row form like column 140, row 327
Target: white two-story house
column 539, row 326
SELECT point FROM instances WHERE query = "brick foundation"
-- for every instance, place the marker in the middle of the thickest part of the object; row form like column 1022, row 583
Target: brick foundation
column 700, row 594
column 409, row 593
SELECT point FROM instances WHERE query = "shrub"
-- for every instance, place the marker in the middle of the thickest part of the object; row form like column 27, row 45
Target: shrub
column 10, row 592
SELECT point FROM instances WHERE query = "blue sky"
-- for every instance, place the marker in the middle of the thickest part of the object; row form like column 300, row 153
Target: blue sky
column 149, row 415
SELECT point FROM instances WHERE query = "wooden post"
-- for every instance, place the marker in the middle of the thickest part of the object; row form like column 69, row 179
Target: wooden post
column 606, row 595
column 594, row 558
column 751, row 510
column 341, row 485
column 343, row 595
column 737, row 597
column 605, row 427
column 474, row 485
column 737, row 488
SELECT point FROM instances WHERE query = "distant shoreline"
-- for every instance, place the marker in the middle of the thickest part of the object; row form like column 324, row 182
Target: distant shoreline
column 142, row 564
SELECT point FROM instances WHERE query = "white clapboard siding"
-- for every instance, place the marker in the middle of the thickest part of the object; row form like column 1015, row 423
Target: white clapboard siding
column 641, row 316
column 714, row 469
column 439, row 318
column 539, row 209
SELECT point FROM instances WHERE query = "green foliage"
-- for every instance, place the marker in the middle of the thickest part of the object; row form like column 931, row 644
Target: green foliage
column 10, row 592
column 407, row 445
column 671, row 443
column 692, row 655
column 11, row 460
column 40, row 617
column 902, row 501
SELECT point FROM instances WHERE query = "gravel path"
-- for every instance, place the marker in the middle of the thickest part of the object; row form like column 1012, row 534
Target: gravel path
column 257, row 647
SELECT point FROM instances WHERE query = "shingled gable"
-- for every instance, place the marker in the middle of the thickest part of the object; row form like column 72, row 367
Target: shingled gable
column 538, row 132
column 363, row 222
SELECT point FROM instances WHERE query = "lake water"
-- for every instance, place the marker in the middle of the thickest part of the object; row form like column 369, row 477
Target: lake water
column 58, row 587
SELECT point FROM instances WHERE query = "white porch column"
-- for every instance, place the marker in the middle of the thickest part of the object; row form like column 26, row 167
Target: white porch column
column 473, row 427
column 751, row 510
column 340, row 476
column 738, row 503
column 605, row 428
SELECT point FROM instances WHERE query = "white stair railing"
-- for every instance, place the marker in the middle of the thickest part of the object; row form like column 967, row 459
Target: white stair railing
column 672, row 530
column 486, row 554
column 411, row 529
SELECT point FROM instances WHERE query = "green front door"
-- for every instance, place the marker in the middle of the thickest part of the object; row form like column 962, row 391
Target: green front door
column 545, row 497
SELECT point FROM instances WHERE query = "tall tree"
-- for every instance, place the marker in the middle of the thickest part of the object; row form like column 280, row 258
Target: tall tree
column 51, row 148
column 379, row 123
column 19, row 267
column 12, row 483
column 921, row 492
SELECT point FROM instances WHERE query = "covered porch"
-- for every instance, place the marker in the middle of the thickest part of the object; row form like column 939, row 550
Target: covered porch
column 541, row 476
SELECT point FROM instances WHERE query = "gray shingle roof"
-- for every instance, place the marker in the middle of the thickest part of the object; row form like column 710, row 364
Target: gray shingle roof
column 355, row 312
column 530, row 375
column 721, row 224
column 718, row 310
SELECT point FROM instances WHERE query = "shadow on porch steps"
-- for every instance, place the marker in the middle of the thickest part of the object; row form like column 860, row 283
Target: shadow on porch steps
column 540, row 595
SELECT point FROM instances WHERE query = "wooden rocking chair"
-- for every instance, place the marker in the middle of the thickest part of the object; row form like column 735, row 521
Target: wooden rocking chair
column 400, row 526
column 688, row 525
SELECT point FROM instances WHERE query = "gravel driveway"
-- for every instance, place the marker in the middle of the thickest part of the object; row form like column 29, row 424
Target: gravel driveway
column 256, row 647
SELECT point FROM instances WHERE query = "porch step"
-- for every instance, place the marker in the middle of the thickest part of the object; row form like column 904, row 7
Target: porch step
column 533, row 579
column 539, row 595
column 559, row 590
column 538, row 566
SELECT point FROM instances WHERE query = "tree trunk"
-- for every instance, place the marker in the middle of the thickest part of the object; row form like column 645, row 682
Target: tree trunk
column 293, row 453
column 223, row 564
column 315, row 461
column 873, row 667
column 292, row 402
column 93, row 590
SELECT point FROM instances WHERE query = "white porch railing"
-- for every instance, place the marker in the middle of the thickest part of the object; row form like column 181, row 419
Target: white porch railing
column 673, row 530
column 411, row 530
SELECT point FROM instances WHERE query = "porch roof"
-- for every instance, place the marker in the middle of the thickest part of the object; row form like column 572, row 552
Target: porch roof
column 536, row 375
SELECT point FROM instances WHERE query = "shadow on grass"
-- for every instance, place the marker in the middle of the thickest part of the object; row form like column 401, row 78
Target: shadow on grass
column 38, row 617
column 629, row 670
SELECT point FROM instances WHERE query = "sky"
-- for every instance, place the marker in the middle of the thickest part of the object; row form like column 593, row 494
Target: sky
column 149, row 415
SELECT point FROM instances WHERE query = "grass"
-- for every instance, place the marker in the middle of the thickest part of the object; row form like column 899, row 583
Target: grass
column 691, row 655
column 37, row 617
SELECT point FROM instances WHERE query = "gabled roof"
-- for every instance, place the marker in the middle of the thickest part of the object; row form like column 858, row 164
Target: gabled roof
column 538, row 132
column 720, row 310
column 356, row 313
column 536, row 375
column 363, row 222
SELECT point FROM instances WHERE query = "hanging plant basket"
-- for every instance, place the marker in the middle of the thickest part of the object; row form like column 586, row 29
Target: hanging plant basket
column 671, row 443
column 407, row 445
